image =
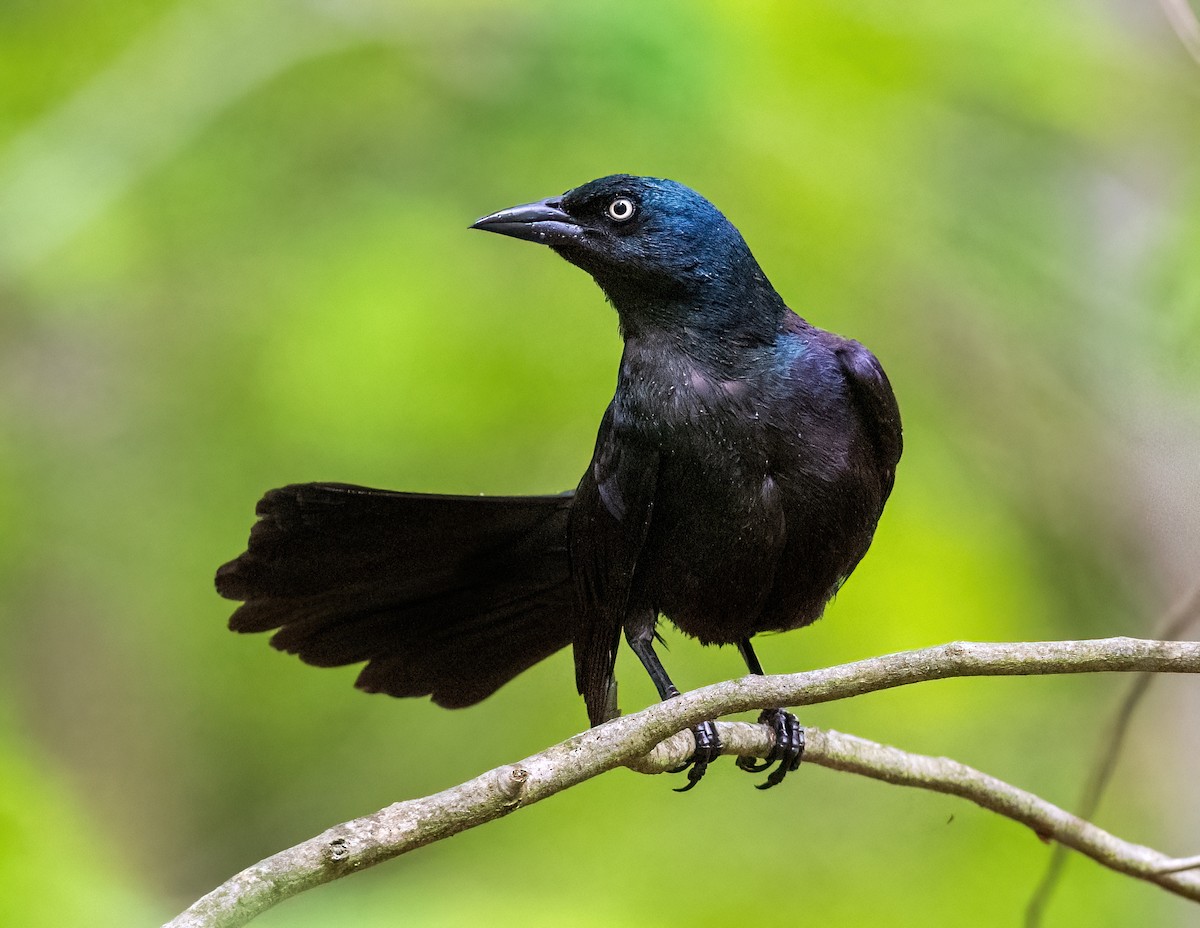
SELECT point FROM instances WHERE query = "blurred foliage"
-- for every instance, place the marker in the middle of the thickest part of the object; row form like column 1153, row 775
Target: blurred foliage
column 233, row 255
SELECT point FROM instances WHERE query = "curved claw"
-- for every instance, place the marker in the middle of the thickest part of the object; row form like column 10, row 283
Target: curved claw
column 751, row 765
column 788, row 749
column 708, row 749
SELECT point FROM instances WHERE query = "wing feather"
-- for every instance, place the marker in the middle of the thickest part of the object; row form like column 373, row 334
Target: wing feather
column 609, row 522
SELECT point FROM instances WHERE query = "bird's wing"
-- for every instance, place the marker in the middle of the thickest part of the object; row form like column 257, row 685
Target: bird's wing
column 609, row 521
column 875, row 400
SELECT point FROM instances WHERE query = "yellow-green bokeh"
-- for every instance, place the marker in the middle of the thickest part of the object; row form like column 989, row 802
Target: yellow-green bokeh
column 234, row 254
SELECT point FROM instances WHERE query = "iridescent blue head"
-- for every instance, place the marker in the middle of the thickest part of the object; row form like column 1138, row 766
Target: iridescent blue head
column 659, row 250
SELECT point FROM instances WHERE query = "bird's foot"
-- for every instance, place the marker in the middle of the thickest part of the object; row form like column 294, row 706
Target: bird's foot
column 708, row 749
column 788, row 749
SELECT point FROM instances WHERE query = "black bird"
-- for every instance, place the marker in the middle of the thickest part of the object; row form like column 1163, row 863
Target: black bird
column 737, row 480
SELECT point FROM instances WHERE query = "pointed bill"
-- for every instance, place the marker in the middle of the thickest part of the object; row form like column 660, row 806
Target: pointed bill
column 543, row 221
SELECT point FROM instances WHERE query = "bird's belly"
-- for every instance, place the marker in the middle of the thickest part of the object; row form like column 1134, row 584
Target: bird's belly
column 728, row 558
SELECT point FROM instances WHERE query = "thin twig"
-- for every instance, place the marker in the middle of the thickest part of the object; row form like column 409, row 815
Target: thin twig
column 407, row 825
column 1171, row 628
column 851, row 754
column 1180, row 864
column 1183, row 20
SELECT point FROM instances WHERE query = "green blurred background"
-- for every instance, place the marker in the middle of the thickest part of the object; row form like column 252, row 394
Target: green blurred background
column 234, row 254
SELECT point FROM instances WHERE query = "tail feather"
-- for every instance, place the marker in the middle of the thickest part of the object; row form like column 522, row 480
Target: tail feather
column 448, row 596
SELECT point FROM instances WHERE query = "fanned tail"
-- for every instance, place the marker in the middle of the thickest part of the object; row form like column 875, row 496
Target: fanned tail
column 445, row 596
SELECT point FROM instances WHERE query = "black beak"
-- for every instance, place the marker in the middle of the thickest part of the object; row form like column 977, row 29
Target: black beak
column 543, row 221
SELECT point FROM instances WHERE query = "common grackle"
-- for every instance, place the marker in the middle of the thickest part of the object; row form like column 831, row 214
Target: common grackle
column 737, row 480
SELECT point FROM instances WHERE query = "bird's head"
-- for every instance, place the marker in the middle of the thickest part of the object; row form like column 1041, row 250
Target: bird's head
column 651, row 244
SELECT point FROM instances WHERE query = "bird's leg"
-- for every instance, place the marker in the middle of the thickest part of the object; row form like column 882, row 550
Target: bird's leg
column 708, row 745
column 789, row 736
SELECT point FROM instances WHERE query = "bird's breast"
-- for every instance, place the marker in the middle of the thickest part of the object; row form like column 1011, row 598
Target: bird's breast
column 759, row 512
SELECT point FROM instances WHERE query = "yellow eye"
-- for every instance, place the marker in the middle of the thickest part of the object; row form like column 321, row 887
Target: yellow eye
column 620, row 209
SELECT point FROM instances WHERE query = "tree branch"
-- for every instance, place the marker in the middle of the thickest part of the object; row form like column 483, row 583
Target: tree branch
column 1173, row 627
column 405, row 826
column 850, row 754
